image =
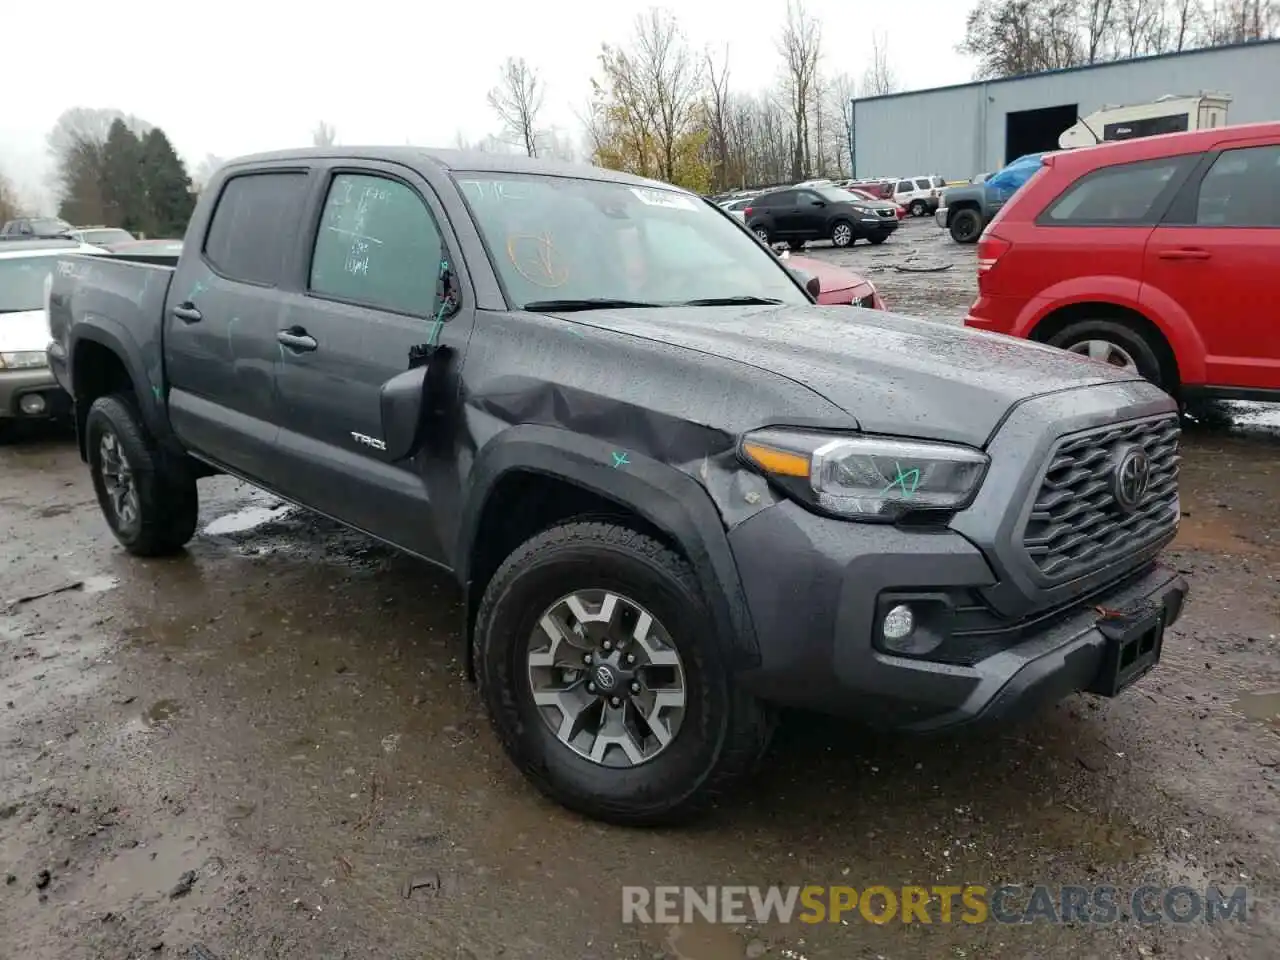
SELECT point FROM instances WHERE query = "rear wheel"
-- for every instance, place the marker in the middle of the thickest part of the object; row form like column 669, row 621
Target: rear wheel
column 841, row 234
column 597, row 660
column 966, row 226
column 149, row 503
column 761, row 232
column 1115, row 344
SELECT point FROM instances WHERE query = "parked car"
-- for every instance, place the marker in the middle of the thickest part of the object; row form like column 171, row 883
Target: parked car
column 105, row 237
column 32, row 228
column 798, row 215
column 880, row 189
column 28, row 390
column 1154, row 255
column 918, row 195
column 966, row 211
column 738, row 205
column 867, row 195
column 675, row 491
column 836, row 285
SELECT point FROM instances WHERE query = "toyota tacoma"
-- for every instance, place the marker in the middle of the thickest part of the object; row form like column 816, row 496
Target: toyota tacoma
column 676, row 493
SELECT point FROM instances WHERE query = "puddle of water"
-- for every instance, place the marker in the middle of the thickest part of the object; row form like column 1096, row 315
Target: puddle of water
column 1256, row 414
column 245, row 519
column 161, row 712
column 1264, row 707
column 704, row 941
column 99, row 583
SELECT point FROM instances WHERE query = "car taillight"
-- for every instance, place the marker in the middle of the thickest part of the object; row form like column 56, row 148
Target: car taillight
column 990, row 249
column 746, row 212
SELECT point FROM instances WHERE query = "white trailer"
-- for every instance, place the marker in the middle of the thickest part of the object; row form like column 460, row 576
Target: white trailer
column 1169, row 114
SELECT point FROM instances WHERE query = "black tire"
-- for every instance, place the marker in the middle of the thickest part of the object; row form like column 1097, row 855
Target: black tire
column 795, row 246
column 917, row 208
column 167, row 502
column 761, row 232
column 724, row 733
column 1145, row 354
column 966, row 226
column 845, row 238
column 877, row 238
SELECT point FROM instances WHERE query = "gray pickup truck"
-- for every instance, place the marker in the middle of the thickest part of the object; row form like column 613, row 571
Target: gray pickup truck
column 676, row 493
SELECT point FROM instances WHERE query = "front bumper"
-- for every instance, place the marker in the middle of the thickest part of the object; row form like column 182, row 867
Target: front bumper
column 815, row 588
column 38, row 383
column 940, row 217
column 874, row 226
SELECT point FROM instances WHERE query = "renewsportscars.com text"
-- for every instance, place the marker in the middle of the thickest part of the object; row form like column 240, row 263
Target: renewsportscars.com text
column 939, row 903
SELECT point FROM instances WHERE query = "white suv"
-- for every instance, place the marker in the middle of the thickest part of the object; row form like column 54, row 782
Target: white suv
column 918, row 195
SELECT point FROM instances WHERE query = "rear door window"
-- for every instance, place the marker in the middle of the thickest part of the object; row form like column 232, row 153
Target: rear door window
column 1122, row 195
column 255, row 226
column 1241, row 189
column 905, row 186
column 924, row 183
column 783, row 198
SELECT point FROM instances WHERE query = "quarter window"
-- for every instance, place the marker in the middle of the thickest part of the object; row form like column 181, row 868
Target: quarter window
column 254, row 226
column 1124, row 194
column 377, row 245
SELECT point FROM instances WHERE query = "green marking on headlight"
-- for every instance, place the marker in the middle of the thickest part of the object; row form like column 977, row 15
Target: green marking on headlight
column 907, row 481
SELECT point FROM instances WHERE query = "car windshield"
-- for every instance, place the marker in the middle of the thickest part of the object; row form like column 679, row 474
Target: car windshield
column 578, row 242
column 107, row 236
column 22, row 282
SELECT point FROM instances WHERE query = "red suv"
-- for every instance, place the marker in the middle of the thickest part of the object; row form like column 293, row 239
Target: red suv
column 1153, row 254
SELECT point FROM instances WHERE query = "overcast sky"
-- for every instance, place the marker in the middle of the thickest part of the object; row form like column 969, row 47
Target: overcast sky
column 237, row 76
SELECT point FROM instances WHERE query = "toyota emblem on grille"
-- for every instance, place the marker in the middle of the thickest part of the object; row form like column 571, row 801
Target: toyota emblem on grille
column 1132, row 478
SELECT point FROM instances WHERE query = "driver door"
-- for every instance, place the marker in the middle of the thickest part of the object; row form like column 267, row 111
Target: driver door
column 369, row 295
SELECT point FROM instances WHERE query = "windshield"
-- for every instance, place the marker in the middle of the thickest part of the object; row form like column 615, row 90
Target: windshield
column 22, row 282
column 838, row 195
column 563, row 239
column 99, row 237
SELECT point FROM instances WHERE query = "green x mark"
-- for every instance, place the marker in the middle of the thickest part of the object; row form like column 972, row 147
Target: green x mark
column 907, row 480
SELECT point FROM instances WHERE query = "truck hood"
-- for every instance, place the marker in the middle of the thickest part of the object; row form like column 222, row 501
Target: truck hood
column 23, row 330
column 893, row 374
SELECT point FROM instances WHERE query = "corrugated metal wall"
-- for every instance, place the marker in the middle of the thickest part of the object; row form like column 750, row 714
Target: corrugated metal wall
column 960, row 131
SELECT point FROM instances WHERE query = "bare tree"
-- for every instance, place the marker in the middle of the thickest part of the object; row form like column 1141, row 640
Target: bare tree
column 879, row 78
column 324, row 135
column 517, row 100
column 10, row 206
column 718, row 118
column 1098, row 21
column 840, row 91
column 671, row 82
column 801, row 49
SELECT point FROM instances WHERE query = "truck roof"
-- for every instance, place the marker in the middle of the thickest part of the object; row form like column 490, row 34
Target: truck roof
column 471, row 161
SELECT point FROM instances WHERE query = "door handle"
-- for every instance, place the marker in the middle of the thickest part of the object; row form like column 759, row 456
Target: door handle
column 187, row 312
column 296, row 338
column 1185, row 253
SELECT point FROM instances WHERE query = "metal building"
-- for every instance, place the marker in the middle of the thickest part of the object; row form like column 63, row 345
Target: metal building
column 972, row 128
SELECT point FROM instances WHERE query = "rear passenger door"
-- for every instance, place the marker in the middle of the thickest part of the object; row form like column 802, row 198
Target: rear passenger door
column 1215, row 255
column 783, row 210
column 366, row 297
column 220, row 322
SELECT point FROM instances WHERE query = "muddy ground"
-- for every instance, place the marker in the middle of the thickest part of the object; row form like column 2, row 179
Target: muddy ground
column 247, row 751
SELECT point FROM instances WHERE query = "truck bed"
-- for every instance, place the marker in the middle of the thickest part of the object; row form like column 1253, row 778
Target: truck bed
column 125, row 294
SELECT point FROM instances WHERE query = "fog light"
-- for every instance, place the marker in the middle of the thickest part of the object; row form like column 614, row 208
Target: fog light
column 898, row 623
column 32, row 404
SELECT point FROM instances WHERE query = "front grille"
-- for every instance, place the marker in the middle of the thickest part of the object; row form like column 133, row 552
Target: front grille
column 1076, row 525
column 886, row 214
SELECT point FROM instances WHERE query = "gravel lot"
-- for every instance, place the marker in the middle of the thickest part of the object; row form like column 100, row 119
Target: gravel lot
column 282, row 712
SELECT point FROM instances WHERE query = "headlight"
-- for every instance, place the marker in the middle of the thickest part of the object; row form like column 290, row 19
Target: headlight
column 867, row 478
column 24, row 360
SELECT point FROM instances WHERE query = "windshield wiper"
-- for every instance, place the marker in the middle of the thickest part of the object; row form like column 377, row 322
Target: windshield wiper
column 594, row 303
column 730, row 301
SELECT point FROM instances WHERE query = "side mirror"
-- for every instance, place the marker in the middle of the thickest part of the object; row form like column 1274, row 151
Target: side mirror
column 401, row 399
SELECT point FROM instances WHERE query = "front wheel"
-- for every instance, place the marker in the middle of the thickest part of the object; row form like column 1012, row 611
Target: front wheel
column 841, row 234
column 597, row 660
column 966, row 226
column 1116, row 345
column 150, row 504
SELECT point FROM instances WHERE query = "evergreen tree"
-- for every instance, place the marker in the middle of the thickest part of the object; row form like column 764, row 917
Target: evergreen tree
column 124, row 191
column 168, row 188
